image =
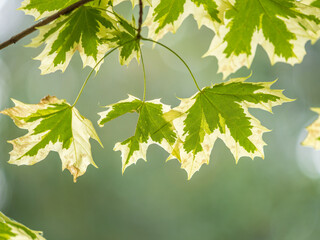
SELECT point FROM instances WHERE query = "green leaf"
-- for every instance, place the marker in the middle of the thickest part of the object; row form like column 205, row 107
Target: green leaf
column 167, row 15
column 84, row 30
column 152, row 127
column 40, row 9
column 125, row 36
column 11, row 230
column 53, row 125
column 316, row 3
column 221, row 111
column 313, row 138
column 281, row 27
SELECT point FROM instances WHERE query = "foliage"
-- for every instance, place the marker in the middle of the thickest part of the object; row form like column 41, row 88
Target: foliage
column 11, row 230
column 221, row 111
column 313, row 138
column 186, row 132
column 53, row 125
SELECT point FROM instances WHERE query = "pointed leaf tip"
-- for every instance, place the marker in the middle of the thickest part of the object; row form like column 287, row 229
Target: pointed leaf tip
column 222, row 111
column 53, row 125
column 152, row 127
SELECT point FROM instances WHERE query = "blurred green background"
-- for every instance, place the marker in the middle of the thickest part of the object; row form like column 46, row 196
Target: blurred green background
column 275, row 198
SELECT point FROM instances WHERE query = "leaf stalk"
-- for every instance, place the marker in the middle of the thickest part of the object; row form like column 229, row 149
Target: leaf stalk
column 144, row 76
column 93, row 69
column 178, row 56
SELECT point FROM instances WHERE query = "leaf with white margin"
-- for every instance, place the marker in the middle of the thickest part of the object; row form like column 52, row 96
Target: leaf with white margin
column 221, row 111
column 167, row 15
column 125, row 36
column 313, row 138
column 12, row 230
column 281, row 27
column 152, row 127
column 53, row 125
column 84, row 30
column 40, row 9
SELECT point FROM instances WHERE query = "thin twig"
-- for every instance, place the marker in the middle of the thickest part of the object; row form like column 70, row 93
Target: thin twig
column 43, row 22
column 140, row 19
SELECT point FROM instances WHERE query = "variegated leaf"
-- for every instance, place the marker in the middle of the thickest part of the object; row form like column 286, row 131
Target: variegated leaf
column 85, row 30
column 281, row 27
column 53, row 125
column 125, row 35
column 152, row 127
column 313, row 138
column 167, row 15
column 221, row 111
column 12, row 230
column 40, row 9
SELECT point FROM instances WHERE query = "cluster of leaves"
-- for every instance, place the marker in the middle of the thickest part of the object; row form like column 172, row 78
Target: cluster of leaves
column 281, row 27
column 12, row 230
column 188, row 131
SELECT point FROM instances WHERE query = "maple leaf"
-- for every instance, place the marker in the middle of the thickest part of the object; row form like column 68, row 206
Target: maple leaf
column 167, row 15
column 221, row 111
column 53, row 125
column 12, row 230
column 313, row 138
column 281, row 27
column 125, row 36
column 152, row 127
column 40, row 9
column 82, row 30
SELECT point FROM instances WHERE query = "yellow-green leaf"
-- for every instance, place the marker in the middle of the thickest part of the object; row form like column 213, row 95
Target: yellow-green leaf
column 12, row 230
column 281, row 27
column 83, row 30
column 313, row 138
column 167, row 15
column 152, row 127
column 53, row 125
column 222, row 111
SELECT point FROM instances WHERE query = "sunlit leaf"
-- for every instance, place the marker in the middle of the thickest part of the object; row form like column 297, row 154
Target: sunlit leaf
column 281, row 27
column 53, row 125
column 40, row 9
column 84, row 30
column 167, row 15
column 221, row 111
column 125, row 36
column 12, row 230
column 152, row 127
column 313, row 138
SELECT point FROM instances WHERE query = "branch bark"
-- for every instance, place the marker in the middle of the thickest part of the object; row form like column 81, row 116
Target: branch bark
column 140, row 19
column 43, row 22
